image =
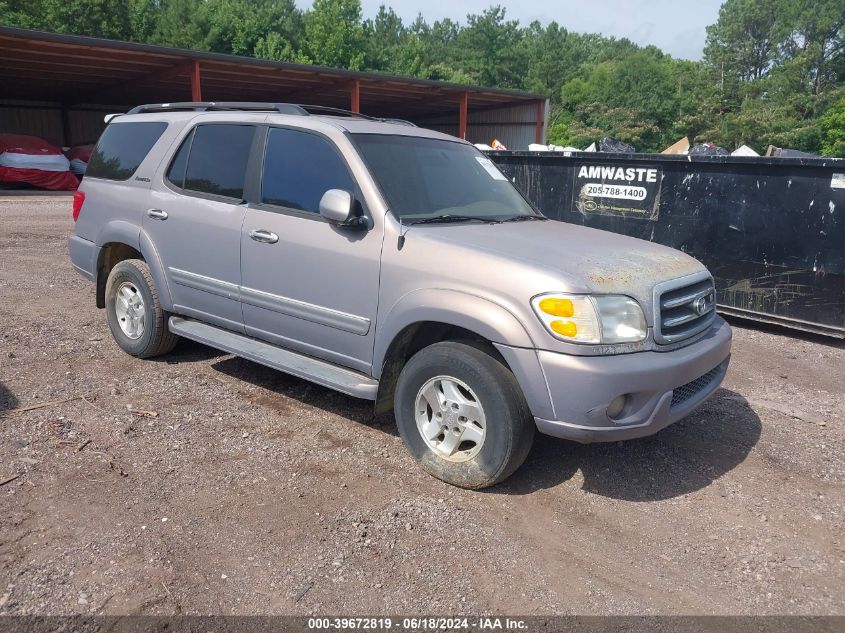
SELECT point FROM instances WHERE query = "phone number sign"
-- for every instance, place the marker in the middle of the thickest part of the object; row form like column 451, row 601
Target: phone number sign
column 630, row 191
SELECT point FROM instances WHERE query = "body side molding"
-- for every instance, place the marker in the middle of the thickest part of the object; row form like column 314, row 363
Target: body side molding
column 277, row 303
column 307, row 311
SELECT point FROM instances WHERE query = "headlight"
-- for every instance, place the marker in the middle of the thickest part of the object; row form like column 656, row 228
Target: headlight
column 589, row 319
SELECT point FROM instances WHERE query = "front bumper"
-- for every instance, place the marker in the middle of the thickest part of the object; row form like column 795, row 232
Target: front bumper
column 662, row 388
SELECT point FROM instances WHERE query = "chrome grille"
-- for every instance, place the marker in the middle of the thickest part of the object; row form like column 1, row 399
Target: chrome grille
column 685, row 392
column 684, row 311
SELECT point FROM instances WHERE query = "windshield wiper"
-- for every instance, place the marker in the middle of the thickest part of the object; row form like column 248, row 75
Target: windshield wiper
column 523, row 218
column 448, row 217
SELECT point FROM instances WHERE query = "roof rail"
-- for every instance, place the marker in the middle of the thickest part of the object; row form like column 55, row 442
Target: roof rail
column 249, row 106
column 399, row 122
column 329, row 111
column 207, row 106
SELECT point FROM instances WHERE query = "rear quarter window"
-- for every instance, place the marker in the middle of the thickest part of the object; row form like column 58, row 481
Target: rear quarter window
column 122, row 148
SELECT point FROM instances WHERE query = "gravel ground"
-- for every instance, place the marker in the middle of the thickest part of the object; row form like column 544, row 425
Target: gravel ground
column 201, row 483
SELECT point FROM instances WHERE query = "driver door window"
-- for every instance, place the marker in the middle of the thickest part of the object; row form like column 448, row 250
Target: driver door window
column 299, row 168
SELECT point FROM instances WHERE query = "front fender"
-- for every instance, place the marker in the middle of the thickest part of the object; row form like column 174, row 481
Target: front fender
column 476, row 314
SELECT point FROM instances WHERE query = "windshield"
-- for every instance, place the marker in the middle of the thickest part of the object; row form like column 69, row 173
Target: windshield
column 427, row 178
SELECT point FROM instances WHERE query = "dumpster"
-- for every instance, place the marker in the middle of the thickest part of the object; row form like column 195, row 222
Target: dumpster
column 771, row 230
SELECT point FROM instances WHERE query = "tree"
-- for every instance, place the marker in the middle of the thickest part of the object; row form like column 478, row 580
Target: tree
column 812, row 40
column 634, row 99
column 98, row 18
column 778, row 64
column 432, row 52
column 181, row 23
column 265, row 28
column 554, row 56
column 832, row 129
column 237, row 26
column 334, row 35
column 697, row 101
column 20, row 13
column 274, row 46
column 385, row 37
column 741, row 45
column 492, row 49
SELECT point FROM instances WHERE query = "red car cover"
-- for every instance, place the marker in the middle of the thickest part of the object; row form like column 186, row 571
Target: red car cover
column 82, row 152
column 31, row 160
column 79, row 156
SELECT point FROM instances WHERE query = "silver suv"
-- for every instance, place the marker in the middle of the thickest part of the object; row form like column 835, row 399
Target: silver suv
column 394, row 264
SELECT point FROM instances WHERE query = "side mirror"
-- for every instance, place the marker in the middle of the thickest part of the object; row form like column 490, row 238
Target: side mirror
column 338, row 206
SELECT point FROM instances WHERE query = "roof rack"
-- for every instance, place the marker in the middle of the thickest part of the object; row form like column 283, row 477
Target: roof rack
column 208, row 106
column 244, row 106
column 398, row 122
column 329, row 111
column 249, row 106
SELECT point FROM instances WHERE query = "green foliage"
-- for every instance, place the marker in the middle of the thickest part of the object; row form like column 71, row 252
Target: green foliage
column 264, row 28
column 385, row 37
column 181, row 23
column 832, row 128
column 634, row 99
column 773, row 70
column 492, row 50
column 777, row 65
column 100, row 18
column 334, row 34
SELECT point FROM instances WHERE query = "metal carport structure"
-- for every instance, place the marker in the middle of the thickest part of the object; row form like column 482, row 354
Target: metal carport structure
column 57, row 86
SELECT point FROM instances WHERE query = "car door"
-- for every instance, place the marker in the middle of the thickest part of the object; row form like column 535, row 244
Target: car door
column 195, row 221
column 307, row 284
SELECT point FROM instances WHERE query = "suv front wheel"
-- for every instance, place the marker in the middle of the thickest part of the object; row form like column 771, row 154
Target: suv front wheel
column 462, row 415
column 136, row 319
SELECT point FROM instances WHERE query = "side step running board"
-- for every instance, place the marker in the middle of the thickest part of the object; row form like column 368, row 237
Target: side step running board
column 321, row 372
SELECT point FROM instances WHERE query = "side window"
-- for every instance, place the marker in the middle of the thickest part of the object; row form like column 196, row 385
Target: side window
column 299, row 168
column 218, row 158
column 122, row 148
column 176, row 173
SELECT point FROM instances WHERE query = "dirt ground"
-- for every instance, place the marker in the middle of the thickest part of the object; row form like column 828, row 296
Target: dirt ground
column 251, row 492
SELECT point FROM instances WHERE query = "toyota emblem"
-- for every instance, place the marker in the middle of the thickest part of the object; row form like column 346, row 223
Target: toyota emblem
column 702, row 304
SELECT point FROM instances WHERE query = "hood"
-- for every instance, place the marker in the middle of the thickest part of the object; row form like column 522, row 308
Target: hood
column 585, row 259
column 511, row 262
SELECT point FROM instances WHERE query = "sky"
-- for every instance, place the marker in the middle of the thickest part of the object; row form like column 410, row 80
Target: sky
column 675, row 26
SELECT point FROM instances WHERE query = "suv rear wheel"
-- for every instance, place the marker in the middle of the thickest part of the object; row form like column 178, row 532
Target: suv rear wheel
column 136, row 319
column 462, row 415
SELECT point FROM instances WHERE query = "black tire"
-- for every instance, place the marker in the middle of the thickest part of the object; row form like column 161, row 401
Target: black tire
column 509, row 424
column 156, row 338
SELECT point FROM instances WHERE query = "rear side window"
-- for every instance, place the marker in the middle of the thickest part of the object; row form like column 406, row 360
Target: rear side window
column 176, row 172
column 213, row 160
column 299, row 168
column 122, row 148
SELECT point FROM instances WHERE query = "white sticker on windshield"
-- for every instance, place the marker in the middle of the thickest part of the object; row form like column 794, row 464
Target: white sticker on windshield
column 490, row 168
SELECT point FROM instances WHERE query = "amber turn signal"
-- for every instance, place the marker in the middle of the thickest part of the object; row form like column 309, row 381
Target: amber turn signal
column 557, row 306
column 564, row 328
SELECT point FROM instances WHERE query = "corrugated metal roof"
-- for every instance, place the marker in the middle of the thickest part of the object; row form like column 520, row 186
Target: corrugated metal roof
column 74, row 69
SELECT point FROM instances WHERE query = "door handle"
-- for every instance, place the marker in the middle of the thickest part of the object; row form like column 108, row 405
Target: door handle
column 157, row 214
column 260, row 235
